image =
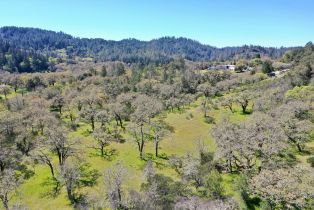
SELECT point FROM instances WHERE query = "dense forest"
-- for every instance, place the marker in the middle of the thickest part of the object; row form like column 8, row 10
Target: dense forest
column 31, row 49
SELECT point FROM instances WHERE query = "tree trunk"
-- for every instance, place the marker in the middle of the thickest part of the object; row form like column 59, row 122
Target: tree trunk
column 156, row 147
column 93, row 124
column 138, row 145
column 204, row 107
column 51, row 170
column 2, row 165
column 296, row 143
column 229, row 163
column 102, row 150
column 299, row 147
column 79, row 106
column 243, row 108
column 142, row 142
column 230, row 107
column 119, row 197
column 120, row 122
column 60, row 159
column 70, row 195
column 5, row 202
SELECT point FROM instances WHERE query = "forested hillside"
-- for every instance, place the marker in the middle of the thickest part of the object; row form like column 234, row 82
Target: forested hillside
column 31, row 45
column 111, row 135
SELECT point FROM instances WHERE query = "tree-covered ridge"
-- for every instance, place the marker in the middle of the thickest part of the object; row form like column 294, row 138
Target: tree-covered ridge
column 160, row 51
column 14, row 59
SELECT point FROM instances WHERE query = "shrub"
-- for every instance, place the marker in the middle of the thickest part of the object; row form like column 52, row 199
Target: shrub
column 190, row 116
column 214, row 185
column 209, row 120
column 267, row 67
column 311, row 161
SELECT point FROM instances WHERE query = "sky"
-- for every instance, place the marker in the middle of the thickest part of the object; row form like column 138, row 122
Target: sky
column 218, row 23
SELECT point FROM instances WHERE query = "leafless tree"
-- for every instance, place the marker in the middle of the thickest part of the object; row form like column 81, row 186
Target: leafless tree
column 114, row 178
column 103, row 137
column 89, row 114
column 70, row 176
column 5, row 90
column 58, row 102
column 243, row 99
column 43, row 156
column 285, row 188
column 159, row 131
column 8, row 184
column 58, row 143
column 145, row 109
column 239, row 144
column 228, row 102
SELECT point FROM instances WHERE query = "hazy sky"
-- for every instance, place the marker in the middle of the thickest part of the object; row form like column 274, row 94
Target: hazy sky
column 215, row 22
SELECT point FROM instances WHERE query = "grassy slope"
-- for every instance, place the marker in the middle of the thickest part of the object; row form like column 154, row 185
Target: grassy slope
column 187, row 132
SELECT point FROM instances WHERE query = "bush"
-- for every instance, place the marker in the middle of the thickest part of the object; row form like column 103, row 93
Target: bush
column 209, row 120
column 267, row 67
column 74, row 126
column 311, row 161
column 216, row 106
column 214, row 185
column 163, row 156
column 190, row 116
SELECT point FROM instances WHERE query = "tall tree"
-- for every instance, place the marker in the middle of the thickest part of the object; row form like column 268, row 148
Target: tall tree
column 58, row 142
column 8, row 184
column 145, row 108
column 114, row 178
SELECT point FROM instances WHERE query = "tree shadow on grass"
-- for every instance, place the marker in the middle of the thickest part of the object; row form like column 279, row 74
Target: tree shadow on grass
column 88, row 176
column 308, row 150
column 110, row 154
column 121, row 140
column 158, row 161
column 80, row 202
column 287, row 158
column 86, row 133
column 54, row 187
column 26, row 172
column 248, row 112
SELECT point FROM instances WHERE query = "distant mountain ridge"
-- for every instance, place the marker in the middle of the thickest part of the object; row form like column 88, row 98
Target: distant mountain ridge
column 160, row 50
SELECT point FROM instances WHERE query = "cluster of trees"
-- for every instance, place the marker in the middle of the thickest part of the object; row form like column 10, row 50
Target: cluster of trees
column 37, row 136
column 162, row 192
column 159, row 51
column 261, row 147
column 108, row 99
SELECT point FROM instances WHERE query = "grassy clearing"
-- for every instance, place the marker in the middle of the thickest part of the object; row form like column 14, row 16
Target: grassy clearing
column 189, row 127
column 187, row 132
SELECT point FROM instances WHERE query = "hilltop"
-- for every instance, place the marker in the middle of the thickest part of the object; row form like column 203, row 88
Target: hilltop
column 45, row 44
